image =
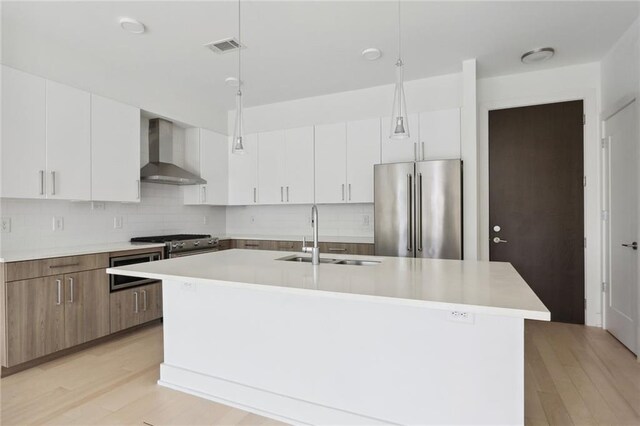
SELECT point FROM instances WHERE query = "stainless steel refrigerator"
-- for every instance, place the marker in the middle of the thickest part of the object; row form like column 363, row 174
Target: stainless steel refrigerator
column 418, row 209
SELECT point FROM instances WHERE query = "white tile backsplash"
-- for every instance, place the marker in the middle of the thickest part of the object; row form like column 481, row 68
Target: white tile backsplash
column 334, row 220
column 161, row 211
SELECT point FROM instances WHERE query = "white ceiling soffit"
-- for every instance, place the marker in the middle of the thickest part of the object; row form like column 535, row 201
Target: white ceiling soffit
column 295, row 49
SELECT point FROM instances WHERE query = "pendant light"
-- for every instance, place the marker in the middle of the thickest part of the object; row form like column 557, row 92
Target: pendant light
column 399, row 118
column 238, row 131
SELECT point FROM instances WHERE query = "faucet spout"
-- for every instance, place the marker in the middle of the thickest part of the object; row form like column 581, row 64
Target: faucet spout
column 315, row 249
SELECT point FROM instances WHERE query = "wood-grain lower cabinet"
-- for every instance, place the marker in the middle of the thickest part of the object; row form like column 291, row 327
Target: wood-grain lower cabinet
column 35, row 318
column 135, row 306
column 86, row 310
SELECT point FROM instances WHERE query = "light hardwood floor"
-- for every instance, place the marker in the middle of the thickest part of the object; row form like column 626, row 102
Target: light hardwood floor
column 573, row 375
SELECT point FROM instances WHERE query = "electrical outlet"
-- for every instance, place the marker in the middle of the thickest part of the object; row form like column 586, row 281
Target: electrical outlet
column 365, row 220
column 97, row 205
column 117, row 222
column 459, row 316
column 205, row 220
column 5, row 225
column 253, row 219
column 58, row 223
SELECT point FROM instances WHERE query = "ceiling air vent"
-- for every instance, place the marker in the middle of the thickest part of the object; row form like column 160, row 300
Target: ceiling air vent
column 225, row 46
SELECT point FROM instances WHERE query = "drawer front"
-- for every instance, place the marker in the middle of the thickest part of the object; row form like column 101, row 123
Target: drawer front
column 347, row 248
column 225, row 244
column 290, row 245
column 55, row 266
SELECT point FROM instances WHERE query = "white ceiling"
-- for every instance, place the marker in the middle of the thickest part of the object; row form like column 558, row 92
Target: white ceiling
column 294, row 49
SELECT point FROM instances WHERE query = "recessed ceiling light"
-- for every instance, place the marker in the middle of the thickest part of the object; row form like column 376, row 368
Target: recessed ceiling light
column 132, row 26
column 231, row 81
column 371, row 53
column 538, row 55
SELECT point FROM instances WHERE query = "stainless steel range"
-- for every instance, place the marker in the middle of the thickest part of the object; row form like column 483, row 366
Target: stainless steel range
column 182, row 244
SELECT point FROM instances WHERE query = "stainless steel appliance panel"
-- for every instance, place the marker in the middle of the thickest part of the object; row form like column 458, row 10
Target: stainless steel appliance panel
column 438, row 186
column 119, row 282
column 394, row 211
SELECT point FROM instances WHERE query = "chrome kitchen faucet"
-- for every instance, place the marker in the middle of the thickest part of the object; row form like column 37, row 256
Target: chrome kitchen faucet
column 315, row 250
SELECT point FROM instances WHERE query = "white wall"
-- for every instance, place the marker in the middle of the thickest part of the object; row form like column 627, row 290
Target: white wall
column 160, row 212
column 554, row 85
column 351, row 220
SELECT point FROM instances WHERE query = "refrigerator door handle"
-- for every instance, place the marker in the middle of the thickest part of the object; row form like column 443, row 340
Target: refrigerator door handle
column 419, row 199
column 409, row 216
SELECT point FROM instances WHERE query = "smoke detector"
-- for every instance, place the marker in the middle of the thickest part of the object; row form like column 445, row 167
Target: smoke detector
column 131, row 25
column 371, row 53
column 538, row 55
column 225, row 46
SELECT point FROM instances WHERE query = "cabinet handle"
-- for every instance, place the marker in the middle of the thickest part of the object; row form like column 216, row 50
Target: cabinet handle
column 70, row 290
column 204, row 194
column 337, row 249
column 254, row 194
column 409, row 216
column 144, row 300
column 59, row 296
column 251, row 245
column 135, row 296
column 138, row 181
column 53, row 183
column 415, row 151
column 287, row 194
column 281, row 194
column 349, row 192
column 343, row 192
column 422, row 154
column 41, row 182
column 66, row 265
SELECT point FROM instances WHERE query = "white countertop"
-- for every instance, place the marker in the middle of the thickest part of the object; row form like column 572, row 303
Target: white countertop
column 322, row 239
column 21, row 255
column 470, row 286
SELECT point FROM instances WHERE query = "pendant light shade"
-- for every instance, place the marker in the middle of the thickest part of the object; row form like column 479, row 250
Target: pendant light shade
column 399, row 118
column 238, row 130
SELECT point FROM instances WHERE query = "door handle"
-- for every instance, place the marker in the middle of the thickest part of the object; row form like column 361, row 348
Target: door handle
column 254, row 194
column 633, row 245
column 70, row 290
column 343, row 192
column 498, row 240
column 282, row 194
column 135, row 296
column 419, row 200
column 144, row 300
column 409, row 216
column 349, row 192
column 287, row 194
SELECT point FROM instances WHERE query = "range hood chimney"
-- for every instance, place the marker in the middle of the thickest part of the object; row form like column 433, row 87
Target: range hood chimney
column 158, row 171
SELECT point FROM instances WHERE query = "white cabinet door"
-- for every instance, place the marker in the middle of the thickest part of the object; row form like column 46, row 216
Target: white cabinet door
column 214, row 167
column 243, row 173
column 331, row 163
column 23, row 147
column 68, row 142
column 401, row 150
column 299, row 165
column 363, row 151
column 115, row 151
column 271, row 163
column 440, row 134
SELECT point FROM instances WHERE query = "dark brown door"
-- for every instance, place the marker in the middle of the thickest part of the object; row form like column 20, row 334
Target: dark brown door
column 536, row 198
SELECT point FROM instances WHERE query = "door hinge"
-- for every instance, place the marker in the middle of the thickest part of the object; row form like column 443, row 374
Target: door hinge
column 603, row 143
column 585, row 242
column 604, row 287
column 584, row 119
column 584, row 181
column 605, row 215
column 585, row 304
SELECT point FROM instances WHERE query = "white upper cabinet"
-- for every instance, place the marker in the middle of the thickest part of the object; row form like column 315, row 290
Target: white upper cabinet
column 23, row 147
column 363, row 152
column 401, row 150
column 299, row 165
column 115, row 151
column 440, row 134
column 271, row 164
column 331, row 163
column 243, row 173
column 68, row 130
column 206, row 156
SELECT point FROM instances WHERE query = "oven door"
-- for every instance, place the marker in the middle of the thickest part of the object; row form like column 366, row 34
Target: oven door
column 119, row 282
column 192, row 252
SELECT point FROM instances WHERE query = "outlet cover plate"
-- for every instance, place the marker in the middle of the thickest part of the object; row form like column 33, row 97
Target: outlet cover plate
column 58, row 223
column 5, row 225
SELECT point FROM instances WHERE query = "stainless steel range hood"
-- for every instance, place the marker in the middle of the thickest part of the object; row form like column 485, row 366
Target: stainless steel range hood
column 158, row 171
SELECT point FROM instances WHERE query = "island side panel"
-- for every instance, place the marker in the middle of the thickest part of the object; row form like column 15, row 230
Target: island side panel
column 317, row 358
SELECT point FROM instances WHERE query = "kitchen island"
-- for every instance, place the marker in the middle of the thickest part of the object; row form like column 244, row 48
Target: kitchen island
column 405, row 341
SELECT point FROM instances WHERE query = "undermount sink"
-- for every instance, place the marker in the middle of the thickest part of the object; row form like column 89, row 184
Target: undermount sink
column 307, row 259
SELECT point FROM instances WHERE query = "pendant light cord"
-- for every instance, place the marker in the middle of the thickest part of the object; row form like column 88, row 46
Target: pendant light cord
column 399, row 35
column 239, row 50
